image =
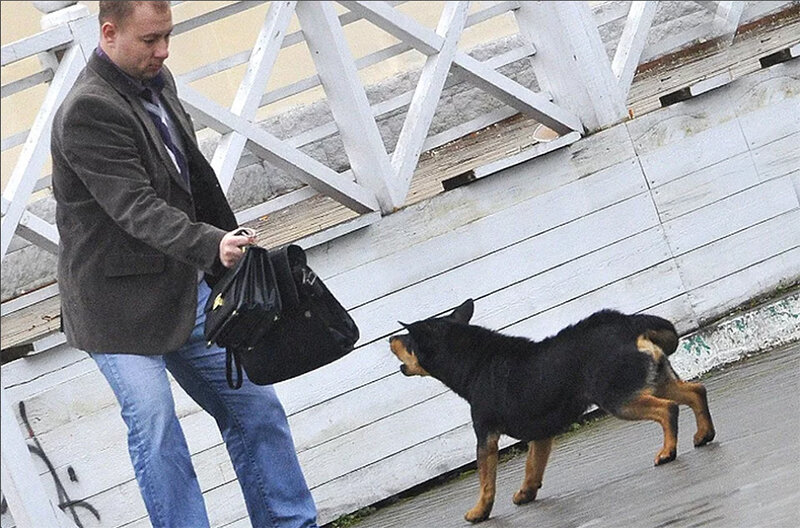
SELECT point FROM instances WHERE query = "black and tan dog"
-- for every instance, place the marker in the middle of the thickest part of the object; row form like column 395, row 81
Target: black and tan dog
column 533, row 391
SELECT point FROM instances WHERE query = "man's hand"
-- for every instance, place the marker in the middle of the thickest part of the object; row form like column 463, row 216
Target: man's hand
column 231, row 247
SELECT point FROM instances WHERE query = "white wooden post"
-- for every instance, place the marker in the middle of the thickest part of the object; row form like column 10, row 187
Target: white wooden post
column 726, row 20
column 23, row 489
column 631, row 43
column 348, row 102
column 262, row 59
column 571, row 61
column 426, row 95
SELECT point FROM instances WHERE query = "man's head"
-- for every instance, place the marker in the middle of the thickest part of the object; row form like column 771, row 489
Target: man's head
column 135, row 35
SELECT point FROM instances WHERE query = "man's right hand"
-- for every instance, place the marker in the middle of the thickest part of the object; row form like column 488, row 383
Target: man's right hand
column 231, row 247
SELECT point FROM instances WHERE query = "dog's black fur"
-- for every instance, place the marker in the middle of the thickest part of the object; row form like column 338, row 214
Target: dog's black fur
column 535, row 390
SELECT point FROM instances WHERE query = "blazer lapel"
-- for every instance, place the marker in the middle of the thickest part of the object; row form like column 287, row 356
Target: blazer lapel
column 152, row 131
column 123, row 86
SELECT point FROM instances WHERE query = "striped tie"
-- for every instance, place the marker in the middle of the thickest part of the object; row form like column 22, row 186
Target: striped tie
column 158, row 115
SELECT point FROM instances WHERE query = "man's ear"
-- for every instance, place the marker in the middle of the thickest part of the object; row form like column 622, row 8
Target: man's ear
column 463, row 313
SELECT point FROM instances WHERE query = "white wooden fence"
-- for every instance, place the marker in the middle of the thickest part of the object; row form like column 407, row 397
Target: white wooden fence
column 583, row 91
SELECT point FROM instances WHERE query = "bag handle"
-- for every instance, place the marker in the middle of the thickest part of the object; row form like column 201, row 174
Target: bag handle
column 231, row 359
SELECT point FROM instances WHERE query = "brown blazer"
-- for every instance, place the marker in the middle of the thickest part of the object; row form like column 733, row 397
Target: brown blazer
column 133, row 236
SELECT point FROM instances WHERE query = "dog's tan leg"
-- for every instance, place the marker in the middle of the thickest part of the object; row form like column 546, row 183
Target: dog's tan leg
column 665, row 412
column 487, row 473
column 693, row 395
column 538, row 453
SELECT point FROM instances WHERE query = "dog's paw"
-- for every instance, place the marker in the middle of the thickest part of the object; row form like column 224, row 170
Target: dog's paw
column 476, row 514
column 524, row 496
column 701, row 438
column 665, row 456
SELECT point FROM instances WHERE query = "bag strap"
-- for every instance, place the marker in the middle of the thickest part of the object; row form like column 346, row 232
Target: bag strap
column 231, row 359
column 282, row 265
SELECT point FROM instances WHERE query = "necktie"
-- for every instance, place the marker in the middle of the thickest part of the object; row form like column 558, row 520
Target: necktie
column 159, row 117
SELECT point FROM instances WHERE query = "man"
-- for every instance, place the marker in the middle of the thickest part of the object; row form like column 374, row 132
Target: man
column 144, row 227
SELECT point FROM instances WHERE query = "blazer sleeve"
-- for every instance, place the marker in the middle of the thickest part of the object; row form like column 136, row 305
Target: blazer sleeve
column 100, row 146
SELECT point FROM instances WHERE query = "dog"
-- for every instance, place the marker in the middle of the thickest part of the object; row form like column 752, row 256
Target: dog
column 534, row 391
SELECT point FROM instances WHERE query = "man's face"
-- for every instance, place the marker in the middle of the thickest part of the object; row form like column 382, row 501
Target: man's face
column 140, row 44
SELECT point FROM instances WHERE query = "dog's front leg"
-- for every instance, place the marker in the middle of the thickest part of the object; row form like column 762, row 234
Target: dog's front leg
column 487, row 473
column 538, row 453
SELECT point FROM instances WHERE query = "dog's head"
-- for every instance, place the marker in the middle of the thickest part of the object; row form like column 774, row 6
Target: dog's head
column 424, row 339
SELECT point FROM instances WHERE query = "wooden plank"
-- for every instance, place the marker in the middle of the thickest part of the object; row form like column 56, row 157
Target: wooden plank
column 26, row 82
column 35, row 44
column 34, row 154
column 270, row 148
column 717, row 298
column 631, row 43
column 642, row 291
column 535, row 151
column 17, row 329
column 275, row 204
column 706, row 186
column 419, row 222
column 710, row 83
column 736, row 252
column 245, row 103
column 38, row 231
column 28, row 299
column 496, row 232
column 575, row 278
column 15, row 140
column 426, row 96
column 429, row 459
column 348, row 102
column 773, row 122
column 778, row 158
column 214, row 15
column 332, row 233
column 730, row 215
column 672, row 149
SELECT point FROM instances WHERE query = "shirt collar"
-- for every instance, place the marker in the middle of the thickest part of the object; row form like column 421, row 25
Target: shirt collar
column 149, row 89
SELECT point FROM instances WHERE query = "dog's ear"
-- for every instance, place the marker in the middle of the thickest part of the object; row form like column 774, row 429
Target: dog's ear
column 463, row 313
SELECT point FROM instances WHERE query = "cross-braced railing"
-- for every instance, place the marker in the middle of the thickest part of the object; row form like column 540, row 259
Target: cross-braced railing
column 592, row 97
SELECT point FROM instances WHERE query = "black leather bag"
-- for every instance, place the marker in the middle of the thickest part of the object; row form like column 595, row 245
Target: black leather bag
column 245, row 303
column 311, row 330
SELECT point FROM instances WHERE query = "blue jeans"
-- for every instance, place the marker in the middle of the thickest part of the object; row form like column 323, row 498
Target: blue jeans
column 251, row 419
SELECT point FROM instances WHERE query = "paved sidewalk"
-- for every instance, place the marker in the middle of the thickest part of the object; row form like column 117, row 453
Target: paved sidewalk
column 603, row 476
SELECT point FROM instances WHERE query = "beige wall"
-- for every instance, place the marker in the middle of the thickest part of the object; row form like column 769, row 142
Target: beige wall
column 222, row 39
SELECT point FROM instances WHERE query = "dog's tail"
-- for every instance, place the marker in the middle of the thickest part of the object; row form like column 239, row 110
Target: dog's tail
column 658, row 331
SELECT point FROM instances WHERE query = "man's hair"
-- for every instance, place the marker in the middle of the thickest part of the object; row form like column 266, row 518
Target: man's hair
column 118, row 11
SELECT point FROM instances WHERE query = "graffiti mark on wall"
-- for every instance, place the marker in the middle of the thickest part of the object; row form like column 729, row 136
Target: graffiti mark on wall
column 66, row 504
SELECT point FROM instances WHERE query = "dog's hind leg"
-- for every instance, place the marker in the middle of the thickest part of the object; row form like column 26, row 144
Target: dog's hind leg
column 538, row 453
column 645, row 406
column 487, row 473
column 693, row 395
